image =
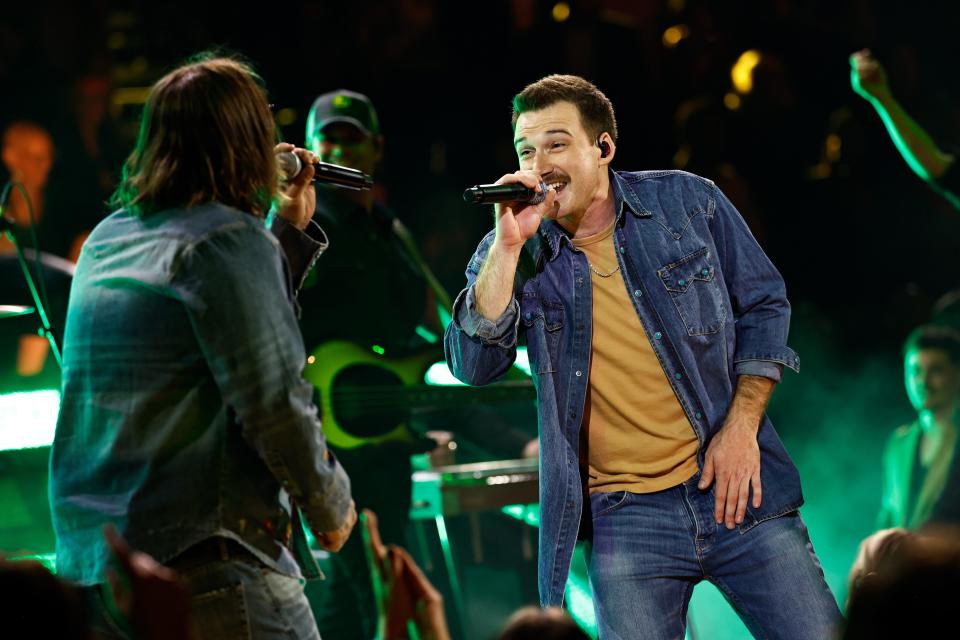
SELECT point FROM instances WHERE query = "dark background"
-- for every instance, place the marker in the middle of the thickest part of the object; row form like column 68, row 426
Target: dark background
column 865, row 246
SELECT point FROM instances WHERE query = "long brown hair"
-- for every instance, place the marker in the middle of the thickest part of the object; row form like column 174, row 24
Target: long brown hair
column 207, row 135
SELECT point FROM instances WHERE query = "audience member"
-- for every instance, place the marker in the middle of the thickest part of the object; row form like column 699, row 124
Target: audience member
column 906, row 588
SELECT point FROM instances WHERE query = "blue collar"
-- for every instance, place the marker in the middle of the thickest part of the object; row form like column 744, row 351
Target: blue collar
column 624, row 197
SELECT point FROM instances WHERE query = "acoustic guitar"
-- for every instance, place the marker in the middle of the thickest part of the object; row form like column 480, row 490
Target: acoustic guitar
column 367, row 398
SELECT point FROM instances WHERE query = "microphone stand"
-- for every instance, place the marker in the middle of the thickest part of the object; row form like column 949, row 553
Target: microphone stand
column 6, row 226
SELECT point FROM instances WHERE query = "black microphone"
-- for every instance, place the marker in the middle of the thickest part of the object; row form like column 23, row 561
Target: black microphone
column 291, row 166
column 490, row 193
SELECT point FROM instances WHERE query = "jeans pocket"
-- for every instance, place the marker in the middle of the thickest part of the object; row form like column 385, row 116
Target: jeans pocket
column 221, row 613
column 602, row 504
column 693, row 286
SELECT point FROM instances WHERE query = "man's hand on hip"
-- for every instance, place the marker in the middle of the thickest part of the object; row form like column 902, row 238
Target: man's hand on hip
column 733, row 455
column 733, row 460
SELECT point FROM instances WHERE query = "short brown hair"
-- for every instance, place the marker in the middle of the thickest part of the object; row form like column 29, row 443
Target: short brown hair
column 931, row 336
column 596, row 110
column 206, row 135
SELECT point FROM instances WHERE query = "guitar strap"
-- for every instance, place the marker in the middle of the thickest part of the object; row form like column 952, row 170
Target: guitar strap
column 444, row 304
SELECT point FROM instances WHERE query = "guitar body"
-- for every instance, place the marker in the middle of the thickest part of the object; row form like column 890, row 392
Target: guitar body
column 362, row 394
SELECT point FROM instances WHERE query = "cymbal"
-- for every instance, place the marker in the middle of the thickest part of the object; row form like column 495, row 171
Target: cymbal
column 12, row 310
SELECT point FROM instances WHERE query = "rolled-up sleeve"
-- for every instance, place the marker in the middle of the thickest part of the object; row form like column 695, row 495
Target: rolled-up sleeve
column 479, row 350
column 240, row 309
column 502, row 331
column 758, row 296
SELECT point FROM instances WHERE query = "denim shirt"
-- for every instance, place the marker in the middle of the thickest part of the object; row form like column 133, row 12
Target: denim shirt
column 710, row 301
column 184, row 414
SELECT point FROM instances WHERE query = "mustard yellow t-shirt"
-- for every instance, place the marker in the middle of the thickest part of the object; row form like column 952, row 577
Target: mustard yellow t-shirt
column 637, row 435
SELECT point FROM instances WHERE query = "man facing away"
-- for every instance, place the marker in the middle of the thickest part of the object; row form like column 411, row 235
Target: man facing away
column 656, row 328
column 185, row 422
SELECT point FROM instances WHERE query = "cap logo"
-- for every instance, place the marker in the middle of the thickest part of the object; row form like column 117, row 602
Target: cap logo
column 341, row 101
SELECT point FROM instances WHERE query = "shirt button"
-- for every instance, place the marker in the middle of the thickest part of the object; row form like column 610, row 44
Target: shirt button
column 637, row 293
column 622, row 250
column 682, row 282
column 529, row 315
column 678, row 376
column 658, row 335
column 698, row 415
column 705, row 272
column 579, row 373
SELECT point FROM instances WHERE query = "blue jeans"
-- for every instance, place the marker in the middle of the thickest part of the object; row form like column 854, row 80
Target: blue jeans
column 649, row 550
column 233, row 598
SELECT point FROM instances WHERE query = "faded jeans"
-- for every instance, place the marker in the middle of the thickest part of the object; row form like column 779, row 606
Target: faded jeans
column 649, row 550
column 234, row 598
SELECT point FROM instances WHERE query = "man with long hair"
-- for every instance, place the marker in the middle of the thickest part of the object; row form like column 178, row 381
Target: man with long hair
column 185, row 422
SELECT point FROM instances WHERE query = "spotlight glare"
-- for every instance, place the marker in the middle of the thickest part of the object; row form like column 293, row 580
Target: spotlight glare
column 673, row 35
column 731, row 101
column 741, row 74
column 286, row 116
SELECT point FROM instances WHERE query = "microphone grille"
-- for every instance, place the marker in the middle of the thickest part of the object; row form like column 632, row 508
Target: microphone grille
column 289, row 165
column 539, row 196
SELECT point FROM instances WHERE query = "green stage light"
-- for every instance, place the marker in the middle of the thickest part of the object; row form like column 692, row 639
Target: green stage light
column 579, row 595
column 523, row 360
column 28, row 418
column 526, row 513
column 439, row 374
column 48, row 560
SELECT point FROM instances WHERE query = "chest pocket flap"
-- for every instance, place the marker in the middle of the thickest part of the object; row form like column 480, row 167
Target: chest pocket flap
column 696, row 292
column 679, row 276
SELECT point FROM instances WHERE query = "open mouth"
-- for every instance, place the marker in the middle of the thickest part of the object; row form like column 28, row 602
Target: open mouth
column 557, row 186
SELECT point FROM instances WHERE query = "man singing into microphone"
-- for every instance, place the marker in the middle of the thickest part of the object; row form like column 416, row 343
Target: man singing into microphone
column 185, row 421
column 656, row 328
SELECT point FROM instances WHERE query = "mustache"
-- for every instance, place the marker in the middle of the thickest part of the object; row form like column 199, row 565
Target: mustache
column 555, row 176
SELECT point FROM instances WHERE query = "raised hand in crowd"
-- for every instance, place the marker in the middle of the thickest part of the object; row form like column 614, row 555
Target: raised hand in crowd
column 404, row 594
column 150, row 596
column 869, row 79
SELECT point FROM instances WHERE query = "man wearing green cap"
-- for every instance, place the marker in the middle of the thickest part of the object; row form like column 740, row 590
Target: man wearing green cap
column 371, row 289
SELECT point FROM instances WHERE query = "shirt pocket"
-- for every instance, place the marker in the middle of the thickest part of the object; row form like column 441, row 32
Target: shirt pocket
column 691, row 282
column 543, row 325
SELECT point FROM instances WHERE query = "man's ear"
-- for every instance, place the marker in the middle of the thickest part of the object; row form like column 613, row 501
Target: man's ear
column 607, row 148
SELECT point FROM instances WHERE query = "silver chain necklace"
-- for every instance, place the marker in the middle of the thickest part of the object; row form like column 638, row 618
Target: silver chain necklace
column 600, row 273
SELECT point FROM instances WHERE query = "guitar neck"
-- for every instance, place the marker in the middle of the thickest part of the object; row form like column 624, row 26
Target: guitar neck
column 438, row 397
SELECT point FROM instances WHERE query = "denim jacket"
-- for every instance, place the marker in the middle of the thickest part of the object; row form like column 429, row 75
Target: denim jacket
column 711, row 302
column 184, row 414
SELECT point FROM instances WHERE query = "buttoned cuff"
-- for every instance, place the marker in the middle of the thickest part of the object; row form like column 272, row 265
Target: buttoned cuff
column 501, row 332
